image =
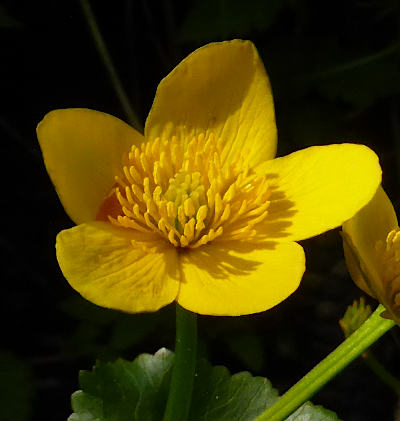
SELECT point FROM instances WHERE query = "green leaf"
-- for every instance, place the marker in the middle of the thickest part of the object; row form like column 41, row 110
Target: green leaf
column 218, row 396
column 123, row 390
column 138, row 391
column 310, row 412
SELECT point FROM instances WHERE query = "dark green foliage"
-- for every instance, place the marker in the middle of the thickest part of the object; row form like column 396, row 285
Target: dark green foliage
column 138, row 391
column 310, row 412
column 123, row 391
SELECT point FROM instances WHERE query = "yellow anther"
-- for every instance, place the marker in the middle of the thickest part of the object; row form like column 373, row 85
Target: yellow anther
column 189, row 207
column 128, row 194
column 152, row 209
column 181, row 216
column 203, row 240
column 157, row 173
column 188, row 230
column 147, row 149
column 202, row 213
column 218, row 207
column 184, row 241
column 146, row 187
column 176, row 155
column 127, row 174
column 162, row 226
column 230, row 193
column 155, row 148
column 259, row 218
column 126, row 222
column 194, row 196
column 199, row 227
column 195, row 180
column 190, row 193
column 121, row 199
column 145, row 163
column 157, row 194
column 171, row 238
column 226, row 213
column 171, row 210
column 136, row 211
column 258, row 210
column 135, row 175
column 210, row 197
column 138, row 192
column 120, row 182
column 162, row 208
column 179, row 198
column 219, row 232
column 128, row 212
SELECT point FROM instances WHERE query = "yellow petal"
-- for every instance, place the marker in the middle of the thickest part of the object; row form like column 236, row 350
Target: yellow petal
column 221, row 88
column 357, row 268
column 360, row 235
column 317, row 189
column 99, row 261
column 82, row 149
column 234, row 278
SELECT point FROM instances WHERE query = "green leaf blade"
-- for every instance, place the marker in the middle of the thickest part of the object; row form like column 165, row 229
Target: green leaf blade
column 124, row 390
column 138, row 391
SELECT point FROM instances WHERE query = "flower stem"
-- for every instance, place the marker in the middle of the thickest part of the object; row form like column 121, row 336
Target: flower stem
column 132, row 118
column 181, row 387
column 369, row 332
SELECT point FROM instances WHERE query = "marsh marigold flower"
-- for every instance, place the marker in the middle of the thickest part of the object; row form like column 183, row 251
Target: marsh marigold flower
column 196, row 210
column 371, row 242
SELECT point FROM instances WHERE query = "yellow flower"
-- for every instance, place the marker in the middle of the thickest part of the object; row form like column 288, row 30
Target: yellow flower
column 196, row 210
column 371, row 242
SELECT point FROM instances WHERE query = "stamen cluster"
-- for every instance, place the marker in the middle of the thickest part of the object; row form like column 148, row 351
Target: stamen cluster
column 389, row 255
column 187, row 195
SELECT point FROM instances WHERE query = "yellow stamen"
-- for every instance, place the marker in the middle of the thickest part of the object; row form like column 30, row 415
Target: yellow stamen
column 187, row 194
column 389, row 258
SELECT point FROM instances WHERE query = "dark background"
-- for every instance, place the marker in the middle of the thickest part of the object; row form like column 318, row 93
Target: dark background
column 334, row 68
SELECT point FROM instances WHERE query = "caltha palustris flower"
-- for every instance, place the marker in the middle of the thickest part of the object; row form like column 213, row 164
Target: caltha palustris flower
column 197, row 209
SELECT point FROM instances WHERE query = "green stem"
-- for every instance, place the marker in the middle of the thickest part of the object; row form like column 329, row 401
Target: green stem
column 183, row 371
column 369, row 332
column 108, row 63
column 380, row 370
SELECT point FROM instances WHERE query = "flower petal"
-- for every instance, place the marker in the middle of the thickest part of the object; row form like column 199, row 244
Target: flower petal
column 317, row 189
column 357, row 268
column 99, row 261
column 221, row 88
column 235, row 278
column 360, row 235
column 82, row 149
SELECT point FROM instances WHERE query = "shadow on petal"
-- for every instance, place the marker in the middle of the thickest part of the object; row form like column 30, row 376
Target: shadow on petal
column 224, row 259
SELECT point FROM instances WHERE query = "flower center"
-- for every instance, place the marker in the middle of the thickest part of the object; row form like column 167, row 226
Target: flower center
column 187, row 195
column 389, row 256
